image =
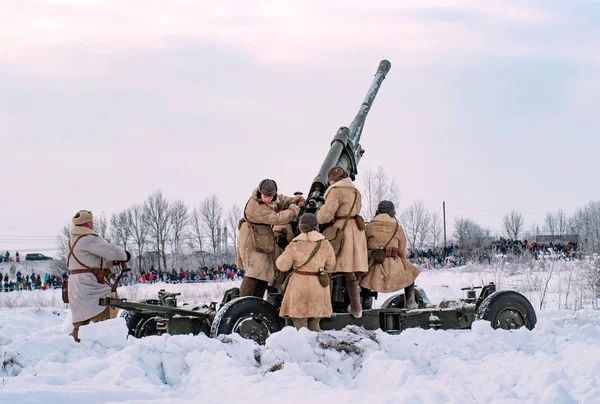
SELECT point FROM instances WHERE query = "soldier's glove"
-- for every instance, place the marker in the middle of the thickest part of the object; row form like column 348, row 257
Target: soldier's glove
column 128, row 254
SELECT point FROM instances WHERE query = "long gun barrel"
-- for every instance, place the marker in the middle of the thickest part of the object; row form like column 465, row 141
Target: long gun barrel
column 345, row 150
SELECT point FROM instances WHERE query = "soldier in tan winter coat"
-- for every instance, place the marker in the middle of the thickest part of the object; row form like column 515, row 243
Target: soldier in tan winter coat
column 89, row 261
column 306, row 300
column 256, row 248
column 389, row 269
column 343, row 200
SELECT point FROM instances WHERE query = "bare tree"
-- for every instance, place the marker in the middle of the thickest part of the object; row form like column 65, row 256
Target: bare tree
column 233, row 216
column 556, row 224
column 62, row 239
column 139, row 228
column 550, row 224
column 436, row 229
column 197, row 228
column 120, row 228
column 562, row 222
column 378, row 186
column 586, row 224
column 470, row 235
column 513, row 224
column 101, row 225
column 211, row 211
column 416, row 220
column 157, row 214
column 180, row 220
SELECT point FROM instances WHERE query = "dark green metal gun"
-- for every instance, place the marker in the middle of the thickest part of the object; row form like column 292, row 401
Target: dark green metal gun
column 345, row 150
column 256, row 319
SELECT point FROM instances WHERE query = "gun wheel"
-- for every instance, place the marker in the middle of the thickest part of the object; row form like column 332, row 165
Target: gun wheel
column 507, row 310
column 394, row 302
column 250, row 317
column 146, row 328
column 134, row 319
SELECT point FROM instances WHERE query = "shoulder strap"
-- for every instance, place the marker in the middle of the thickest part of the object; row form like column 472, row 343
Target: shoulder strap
column 312, row 254
column 393, row 235
column 72, row 253
column 350, row 211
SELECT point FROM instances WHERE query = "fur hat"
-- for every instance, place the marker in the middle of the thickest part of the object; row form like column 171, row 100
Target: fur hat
column 337, row 173
column 308, row 222
column 386, row 207
column 267, row 187
column 82, row 217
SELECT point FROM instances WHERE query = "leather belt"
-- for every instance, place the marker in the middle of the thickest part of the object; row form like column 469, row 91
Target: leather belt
column 82, row 271
column 299, row 272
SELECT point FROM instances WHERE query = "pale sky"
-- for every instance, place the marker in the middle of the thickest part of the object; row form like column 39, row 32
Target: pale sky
column 490, row 106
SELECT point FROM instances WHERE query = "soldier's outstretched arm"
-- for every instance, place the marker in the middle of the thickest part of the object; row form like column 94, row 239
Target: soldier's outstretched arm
column 269, row 216
column 104, row 249
column 287, row 200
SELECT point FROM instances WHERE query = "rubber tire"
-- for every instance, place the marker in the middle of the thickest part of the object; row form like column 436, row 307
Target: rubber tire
column 242, row 307
column 499, row 301
column 145, row 322
column 394, row 302
column 132, row 318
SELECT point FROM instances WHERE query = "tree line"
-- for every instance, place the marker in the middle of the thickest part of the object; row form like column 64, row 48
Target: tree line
column 170, row 228
column 166, row 228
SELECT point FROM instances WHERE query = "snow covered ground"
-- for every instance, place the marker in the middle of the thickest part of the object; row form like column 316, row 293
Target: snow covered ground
column 557, row 362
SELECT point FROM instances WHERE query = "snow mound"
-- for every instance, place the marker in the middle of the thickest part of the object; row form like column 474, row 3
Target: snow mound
column 110, row 333
column 558, row 362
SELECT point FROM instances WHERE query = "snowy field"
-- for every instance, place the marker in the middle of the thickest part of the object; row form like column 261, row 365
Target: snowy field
column 557, row 362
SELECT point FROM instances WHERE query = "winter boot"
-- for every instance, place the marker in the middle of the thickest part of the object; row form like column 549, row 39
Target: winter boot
column 354, row 294
column 410, row 302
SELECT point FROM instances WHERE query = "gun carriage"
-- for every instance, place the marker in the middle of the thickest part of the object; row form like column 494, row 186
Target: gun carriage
column 256, row 319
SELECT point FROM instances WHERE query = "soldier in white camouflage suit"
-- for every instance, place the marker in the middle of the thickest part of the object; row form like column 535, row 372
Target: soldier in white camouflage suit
column 89, row 261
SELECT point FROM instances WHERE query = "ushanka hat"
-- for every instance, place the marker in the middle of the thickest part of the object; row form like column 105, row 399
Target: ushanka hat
column 337, row 173
column 385, row 207
column 308, row 222
column 267, row 187
column 82, row 217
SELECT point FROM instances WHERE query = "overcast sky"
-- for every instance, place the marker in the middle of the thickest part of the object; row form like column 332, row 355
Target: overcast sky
column 490, row 106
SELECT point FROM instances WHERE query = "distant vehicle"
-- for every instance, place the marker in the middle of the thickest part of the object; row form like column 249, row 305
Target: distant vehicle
column 36, row 257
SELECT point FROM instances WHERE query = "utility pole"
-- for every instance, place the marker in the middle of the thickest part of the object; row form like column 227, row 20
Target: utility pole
column 444, row 208
column 218, row 241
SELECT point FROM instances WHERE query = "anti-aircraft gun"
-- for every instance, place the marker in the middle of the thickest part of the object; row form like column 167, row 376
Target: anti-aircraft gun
column 255, row 318
column 345, row 150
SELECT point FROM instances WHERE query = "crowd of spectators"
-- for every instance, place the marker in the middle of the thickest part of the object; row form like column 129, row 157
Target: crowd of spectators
column 47, row 281
column 535, row 250
column 30, row 282
column 453, row 256
column 202, row 274
column 444, row 257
